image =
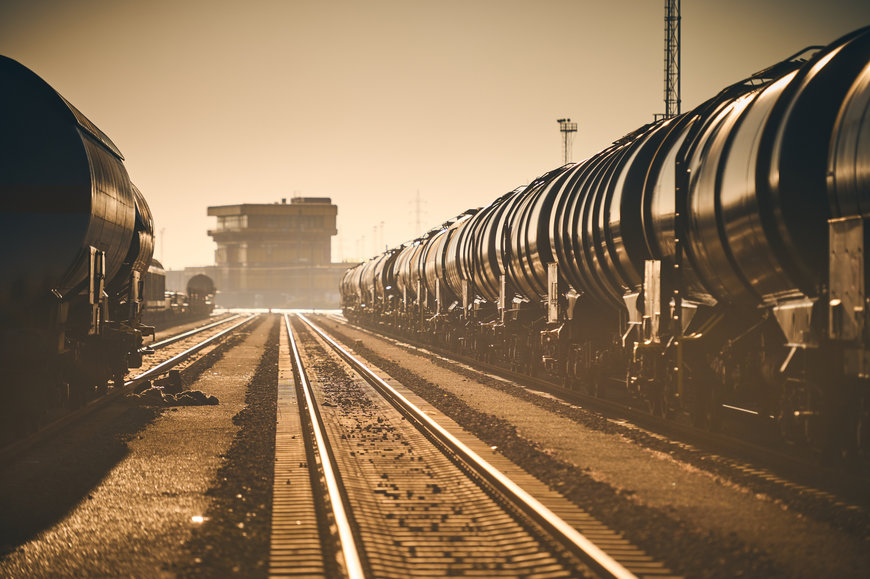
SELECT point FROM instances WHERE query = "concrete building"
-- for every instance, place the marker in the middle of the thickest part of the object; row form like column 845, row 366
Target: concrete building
column 275, row 255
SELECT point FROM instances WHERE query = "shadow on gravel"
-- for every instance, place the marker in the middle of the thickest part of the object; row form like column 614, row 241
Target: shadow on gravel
column 40, row 489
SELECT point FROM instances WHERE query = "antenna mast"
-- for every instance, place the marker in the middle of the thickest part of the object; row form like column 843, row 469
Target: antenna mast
column 672, row 58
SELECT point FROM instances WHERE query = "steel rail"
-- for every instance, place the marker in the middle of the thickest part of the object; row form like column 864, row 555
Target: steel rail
column 164, row 366
column 568, row 535
column 811, row 474
column 192, row 332
column 339, row 509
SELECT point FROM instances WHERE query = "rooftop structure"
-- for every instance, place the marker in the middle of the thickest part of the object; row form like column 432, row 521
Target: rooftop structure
column 278, row 234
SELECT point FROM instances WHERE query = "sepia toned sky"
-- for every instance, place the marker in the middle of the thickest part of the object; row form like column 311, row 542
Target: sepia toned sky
column 370, row 102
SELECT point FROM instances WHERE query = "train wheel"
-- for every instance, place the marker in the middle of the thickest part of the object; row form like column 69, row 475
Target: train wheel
column 594, row 386
column 592, row 382
column 656, row 399
column 707, row 411
column 531, row 369
column 20, row 416
column 862, row 428
column 78, row 393
column 802, row 418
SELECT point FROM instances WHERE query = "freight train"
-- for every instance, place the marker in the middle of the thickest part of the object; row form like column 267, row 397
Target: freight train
column 200, row 295
column 77, row 236
column 166, row 308
column 714, row 259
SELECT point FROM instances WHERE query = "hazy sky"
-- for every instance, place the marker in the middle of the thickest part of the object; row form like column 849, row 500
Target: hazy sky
column 368, row 102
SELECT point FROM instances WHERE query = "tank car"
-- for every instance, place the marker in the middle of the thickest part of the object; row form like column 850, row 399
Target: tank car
column 200, row 295
column 713, row 260
column 164, row 308
column 154, row 288
column 77, row 238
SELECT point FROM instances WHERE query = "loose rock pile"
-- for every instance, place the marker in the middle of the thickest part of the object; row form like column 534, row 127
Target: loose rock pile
column 156, row 396
column 169, row 391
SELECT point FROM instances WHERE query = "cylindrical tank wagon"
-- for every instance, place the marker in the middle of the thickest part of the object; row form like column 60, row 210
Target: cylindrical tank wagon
column 714, row 258
column 154, row 288
column 200, row 295
column 77, row 237
column 168, row 308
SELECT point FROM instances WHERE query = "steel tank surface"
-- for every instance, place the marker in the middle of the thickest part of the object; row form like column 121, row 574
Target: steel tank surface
column 64, row 189
column 466, row 259
column 346, row 285
column 141, row 250
column 453, row 264
column 402, row 269
column 758, row 208
column 489, row 249
column 849, row 157
column 432, row 261
column 385, row 280
column 200, row 285
column 621, row 216
column 417, row 264
column 575, row 232
column 367, row 278
column 355, row 282
column 529, row 239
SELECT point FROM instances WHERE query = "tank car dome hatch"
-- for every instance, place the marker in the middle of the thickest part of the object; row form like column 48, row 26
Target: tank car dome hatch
column 65, row 189
column 200, row 285
column 156, row 266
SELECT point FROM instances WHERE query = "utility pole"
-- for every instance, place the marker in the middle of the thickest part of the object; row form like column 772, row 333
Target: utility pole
column 672, row 58
column 567, row 128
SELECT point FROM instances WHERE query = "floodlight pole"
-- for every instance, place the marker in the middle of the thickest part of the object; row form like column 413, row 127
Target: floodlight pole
column 567, row 128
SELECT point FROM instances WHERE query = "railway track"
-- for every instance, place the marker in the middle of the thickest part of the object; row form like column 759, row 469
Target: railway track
column 164, row 342
column 403, row 490
column 824, row 492
column 172, row 353
column 771, row 452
